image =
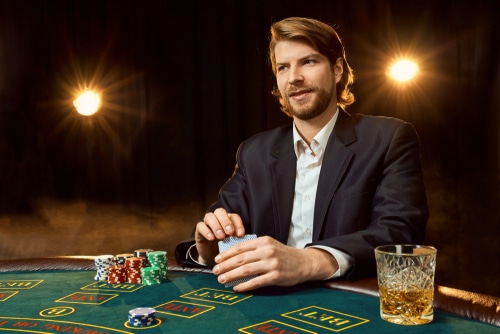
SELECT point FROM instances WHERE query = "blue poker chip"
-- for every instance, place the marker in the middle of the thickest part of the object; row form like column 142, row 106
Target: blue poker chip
column 141, row 317
column 142, row 324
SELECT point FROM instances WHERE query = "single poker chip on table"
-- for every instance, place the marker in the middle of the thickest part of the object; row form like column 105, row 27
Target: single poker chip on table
column 142, row 316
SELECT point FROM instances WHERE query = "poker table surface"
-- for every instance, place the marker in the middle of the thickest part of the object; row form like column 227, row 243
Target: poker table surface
column 60, row 295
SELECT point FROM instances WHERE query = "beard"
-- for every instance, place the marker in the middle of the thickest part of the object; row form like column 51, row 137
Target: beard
column 313, row 106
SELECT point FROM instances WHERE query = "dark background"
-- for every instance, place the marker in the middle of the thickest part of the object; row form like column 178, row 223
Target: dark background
column 184, row 82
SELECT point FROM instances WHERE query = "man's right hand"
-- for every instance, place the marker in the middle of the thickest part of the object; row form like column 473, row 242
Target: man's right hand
column 216, row 226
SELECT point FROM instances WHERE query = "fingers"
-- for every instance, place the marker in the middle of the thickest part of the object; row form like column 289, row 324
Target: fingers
column 216, row 226
column 237, row 224
column 252, row 281
column 221, row 224
column 256, row 276
column 203, row 232
column 238, row 267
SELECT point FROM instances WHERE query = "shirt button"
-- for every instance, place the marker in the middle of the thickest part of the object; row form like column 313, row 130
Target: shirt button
column 308, row 231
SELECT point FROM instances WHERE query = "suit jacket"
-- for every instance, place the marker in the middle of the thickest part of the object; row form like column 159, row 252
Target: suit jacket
column 370, row 189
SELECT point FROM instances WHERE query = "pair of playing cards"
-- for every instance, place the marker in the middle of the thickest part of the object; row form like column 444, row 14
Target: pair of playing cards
column 230, row 242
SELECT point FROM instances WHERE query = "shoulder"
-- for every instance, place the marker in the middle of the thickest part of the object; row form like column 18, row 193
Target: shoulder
column 377, row 121
column 364, row 130
column 368, row 125
column 269, row 140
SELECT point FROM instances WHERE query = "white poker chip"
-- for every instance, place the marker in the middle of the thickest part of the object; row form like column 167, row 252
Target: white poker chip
column 142, row 312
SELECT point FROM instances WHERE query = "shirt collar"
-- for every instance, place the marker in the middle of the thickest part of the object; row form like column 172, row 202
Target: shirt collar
column 321, row 137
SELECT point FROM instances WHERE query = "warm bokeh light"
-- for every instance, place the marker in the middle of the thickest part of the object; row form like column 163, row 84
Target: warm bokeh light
column 87, row 103
column 404, row 70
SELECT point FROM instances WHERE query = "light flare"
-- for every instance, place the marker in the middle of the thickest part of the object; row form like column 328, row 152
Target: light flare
column 404, row 70
column 88, row 103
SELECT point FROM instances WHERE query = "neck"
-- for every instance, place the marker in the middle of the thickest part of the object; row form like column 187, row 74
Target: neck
column 310, row 127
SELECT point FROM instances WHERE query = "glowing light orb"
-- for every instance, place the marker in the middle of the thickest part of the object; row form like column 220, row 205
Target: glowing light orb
column 404, row 70
column 87, row 103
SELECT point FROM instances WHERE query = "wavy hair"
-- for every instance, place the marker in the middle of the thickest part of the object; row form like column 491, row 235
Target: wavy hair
column 324, row 39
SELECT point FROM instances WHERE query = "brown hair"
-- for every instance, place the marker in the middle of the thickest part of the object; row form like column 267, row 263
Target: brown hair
column 323, row 38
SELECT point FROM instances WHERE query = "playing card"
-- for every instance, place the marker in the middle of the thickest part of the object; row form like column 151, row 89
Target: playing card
column 230, row 242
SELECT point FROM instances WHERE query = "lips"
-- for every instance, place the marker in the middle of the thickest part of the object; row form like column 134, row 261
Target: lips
column 299, row 94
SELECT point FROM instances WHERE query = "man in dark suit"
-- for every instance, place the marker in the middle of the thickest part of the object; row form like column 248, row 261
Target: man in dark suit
column 320, row 193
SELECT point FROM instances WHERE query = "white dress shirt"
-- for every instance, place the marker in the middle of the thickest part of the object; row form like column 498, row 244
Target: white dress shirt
column 309, row 159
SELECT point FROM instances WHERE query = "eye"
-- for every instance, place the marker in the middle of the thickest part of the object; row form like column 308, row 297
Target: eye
column 309, row 62
column 281, row 68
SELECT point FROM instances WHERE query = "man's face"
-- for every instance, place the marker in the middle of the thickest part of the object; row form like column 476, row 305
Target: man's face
column 305, row 79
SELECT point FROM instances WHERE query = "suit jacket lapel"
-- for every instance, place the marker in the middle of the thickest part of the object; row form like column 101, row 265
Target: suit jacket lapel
column 283, row 168
column 335, row 163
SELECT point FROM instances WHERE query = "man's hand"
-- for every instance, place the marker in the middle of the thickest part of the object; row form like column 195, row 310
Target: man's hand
column 274, row 263
column 214, row 227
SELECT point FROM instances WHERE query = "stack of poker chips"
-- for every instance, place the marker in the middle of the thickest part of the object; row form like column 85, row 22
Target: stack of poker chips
column 151, row 276
column 159, row 260
column 134, row 265
column 127, row 268
column 157, row 272
column 102, row 263
column 143, row 253
column 120, row 258
column 141, row 317
column 117, row 274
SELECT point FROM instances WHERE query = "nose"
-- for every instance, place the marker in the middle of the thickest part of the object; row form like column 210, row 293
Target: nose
column 295, row 76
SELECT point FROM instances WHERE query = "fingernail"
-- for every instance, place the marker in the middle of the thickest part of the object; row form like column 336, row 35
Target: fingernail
column 210, row 236
column 229, row 228
column 222, row 278
column 216, row 270
column 219, row 233
column 217, row 258
column 240, row 231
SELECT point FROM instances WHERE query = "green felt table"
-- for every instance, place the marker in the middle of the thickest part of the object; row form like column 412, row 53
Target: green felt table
column 188, row 302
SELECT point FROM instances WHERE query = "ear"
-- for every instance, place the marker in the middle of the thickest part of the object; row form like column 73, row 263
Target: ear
column 338, row 69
